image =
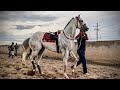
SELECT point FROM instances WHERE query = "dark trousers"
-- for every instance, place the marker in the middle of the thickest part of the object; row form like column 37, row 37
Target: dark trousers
column 57, row 44
column 16, row 52
column 9, row 54
column 82, row 60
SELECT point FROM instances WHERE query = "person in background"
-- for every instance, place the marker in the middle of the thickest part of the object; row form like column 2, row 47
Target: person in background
column 16, row 49
column 9, row 51
column 12, row 48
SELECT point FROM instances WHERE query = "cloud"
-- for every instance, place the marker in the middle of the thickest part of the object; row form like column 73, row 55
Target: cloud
column 5, row 36
column 19, row 25
column 25, row 16
column 22, row 27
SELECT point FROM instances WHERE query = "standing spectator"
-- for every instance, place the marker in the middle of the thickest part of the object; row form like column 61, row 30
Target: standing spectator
column 16, row 49
column 12, row 48
column 9, row 51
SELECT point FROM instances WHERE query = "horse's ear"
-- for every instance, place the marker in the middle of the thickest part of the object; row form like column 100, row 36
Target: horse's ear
column 79, row 16
column 76, row 17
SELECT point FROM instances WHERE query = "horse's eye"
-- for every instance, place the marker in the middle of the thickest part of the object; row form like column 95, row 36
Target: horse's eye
column 81, row 20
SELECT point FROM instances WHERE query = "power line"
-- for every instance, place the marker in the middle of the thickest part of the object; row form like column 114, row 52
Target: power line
column 97, row 29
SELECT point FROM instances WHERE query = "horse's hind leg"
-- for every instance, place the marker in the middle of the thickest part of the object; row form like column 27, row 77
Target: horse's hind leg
column 65, row 58
column 34, row 54
column 35, row 46
column 39, row 59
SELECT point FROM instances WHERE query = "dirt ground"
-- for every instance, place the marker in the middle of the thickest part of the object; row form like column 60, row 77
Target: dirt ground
column 53, row 69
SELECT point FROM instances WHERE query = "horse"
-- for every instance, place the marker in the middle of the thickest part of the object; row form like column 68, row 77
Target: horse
column 35, row 45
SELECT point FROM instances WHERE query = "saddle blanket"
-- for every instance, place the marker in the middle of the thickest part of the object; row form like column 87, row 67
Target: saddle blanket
column 50, row 36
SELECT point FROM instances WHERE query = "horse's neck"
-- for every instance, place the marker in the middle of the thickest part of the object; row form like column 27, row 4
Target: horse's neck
column 70, row 29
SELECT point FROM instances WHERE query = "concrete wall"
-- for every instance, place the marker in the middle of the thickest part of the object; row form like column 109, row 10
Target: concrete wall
column 4, row 49
column 102, row 50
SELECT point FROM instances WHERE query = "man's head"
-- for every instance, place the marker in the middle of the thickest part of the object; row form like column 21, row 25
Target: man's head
column 82, row 32
column 12, row 42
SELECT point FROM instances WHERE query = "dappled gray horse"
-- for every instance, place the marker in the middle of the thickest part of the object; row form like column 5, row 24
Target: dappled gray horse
column 65, row 41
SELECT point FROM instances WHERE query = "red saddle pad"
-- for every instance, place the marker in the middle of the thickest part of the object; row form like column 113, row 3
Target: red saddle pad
column 47, row 38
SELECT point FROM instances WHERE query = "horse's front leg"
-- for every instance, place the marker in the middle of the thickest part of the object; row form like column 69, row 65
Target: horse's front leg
column 75, row 61
column 65, row 58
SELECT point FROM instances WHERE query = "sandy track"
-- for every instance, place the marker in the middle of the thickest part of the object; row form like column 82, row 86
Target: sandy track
column 53, row 69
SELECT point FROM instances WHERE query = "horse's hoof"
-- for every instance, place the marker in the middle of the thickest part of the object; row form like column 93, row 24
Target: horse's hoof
column 73, row 71
column 23, row 63
column 42, row 74
column 31, row 72
column 66, row 76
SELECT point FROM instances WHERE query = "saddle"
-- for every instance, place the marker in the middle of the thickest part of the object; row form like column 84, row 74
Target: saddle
column 52, row 37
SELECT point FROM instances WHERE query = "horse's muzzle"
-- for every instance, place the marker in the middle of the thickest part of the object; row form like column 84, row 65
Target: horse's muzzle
column 85, row 29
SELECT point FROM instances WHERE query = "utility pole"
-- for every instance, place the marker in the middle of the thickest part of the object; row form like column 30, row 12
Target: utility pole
column 97, row 29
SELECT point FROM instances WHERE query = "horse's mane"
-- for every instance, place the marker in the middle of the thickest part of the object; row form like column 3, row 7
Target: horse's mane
column 69, row 22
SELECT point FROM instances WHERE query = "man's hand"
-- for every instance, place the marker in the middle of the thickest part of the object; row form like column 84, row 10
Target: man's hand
column 85, row 34
column 86, row 37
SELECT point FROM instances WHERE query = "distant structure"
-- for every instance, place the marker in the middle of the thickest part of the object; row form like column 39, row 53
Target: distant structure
column 97, row 29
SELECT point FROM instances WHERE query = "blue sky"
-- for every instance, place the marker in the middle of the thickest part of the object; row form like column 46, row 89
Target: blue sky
column 18, row 25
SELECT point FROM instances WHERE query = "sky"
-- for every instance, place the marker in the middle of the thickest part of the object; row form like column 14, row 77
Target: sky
column 16, row 26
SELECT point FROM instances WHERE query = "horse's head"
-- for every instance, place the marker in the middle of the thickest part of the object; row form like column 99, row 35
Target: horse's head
column 80, row 24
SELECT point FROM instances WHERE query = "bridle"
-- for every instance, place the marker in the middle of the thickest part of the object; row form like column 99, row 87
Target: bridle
column 66, row 36
column 78, row 21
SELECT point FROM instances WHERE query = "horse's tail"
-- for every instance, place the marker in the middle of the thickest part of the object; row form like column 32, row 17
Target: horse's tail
column 25, row 44
column 26, row 49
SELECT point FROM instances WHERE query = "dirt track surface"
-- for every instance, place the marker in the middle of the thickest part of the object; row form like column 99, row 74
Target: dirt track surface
column 53, row 69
